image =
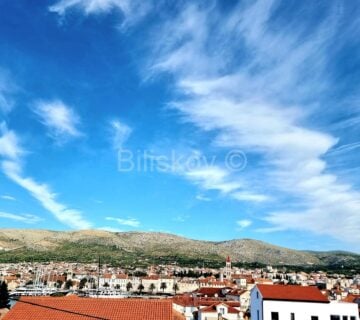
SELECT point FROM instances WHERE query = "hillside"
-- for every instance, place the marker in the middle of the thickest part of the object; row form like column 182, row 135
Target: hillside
column 143, row 248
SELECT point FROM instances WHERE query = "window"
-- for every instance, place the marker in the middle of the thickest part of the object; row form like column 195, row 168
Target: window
column 314, row 318
column 292, row 316
column 345, row 318
column 352, row 318
column 222, row 310
column 258, row 316
column 274, row 315
column 334, row 317
column 257, row 294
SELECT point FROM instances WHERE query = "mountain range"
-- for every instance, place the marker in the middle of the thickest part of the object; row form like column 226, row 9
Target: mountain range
column 144, row 248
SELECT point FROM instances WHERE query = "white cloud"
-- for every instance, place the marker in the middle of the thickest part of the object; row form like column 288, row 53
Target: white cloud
column 345, row 148
column 7, row 197
column 132, row 10
column 90, row 6
column 203, row 171
column 41, row 192
column 120, row 132
column 212, row 178
column 246, row 196
column 131, row 222
column 261, row 105
column 12, row 167
column 244, row 223
column 26, row 218
column 60, row 120
column 9, row 143
column 201, row 197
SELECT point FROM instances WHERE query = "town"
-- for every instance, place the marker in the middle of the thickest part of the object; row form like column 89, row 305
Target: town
column 194, row 293
column 180, row 160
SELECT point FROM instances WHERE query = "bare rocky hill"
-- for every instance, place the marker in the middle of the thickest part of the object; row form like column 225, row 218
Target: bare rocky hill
column 146, row 247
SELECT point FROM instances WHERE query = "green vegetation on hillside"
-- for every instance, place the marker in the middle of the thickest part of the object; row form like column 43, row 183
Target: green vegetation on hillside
column 140, row 249
column 112, row 255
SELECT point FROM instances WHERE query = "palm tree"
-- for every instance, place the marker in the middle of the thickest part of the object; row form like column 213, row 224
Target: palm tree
column 129, row 286
column 175, row 287
column 163, row 286
column 140, row 287
column 152, row 287
column 82, row 283
column 68, row 284
column 59, row 283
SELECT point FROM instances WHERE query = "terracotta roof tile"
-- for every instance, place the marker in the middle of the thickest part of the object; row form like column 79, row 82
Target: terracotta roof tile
column 291, row 293
column 75, row 308
column 212, row 308
column 209, row 291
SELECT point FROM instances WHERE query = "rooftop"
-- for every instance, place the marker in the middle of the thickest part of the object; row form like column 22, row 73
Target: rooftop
column 291, row 293
column 75, row 308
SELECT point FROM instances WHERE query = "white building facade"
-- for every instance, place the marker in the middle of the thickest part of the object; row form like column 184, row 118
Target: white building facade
column 280, row 303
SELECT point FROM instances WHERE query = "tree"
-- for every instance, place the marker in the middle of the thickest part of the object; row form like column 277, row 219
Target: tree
column 152, row 287
column 106, row 285
column 82, row 283
column 68, row 284
column 175, row 287
column 4, row 296
column 129, row 286
column 59, row 284
column 140, row 287
column 117, row 287
column 163, row 286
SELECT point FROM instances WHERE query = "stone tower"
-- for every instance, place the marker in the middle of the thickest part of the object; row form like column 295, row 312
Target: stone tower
column 227, row 270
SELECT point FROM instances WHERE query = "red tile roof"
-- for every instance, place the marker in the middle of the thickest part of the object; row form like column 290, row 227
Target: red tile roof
column 209, row 291
column 75, row 308
column 236, row 292
column 352, row 298
column 212, row 308
column 189, row 301
column 291, row 293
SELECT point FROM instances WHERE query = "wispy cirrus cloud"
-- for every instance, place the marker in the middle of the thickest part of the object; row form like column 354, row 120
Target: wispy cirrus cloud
column 120, row 132
column 207, row 172
column 131, row 10
column 201, row 197
column 131, row 222
column 213, row 178
column 12, row 166
column 26, row 218
column 256, row 81
column 244, row 223
column 261, row 104
column 7, row 197
column 9, row 143
column 247, row 196
column 60, row 120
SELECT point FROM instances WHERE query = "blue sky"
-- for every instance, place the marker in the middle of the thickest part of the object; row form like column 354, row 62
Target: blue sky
column 208, row 119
